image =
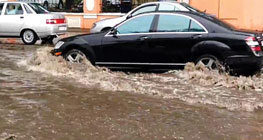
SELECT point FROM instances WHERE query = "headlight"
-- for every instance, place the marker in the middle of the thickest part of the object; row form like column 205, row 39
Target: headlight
column 59, row 44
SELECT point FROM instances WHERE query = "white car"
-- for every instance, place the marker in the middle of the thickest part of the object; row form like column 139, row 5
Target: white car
column 107, row 24
column 47, row 3
column 30, row 21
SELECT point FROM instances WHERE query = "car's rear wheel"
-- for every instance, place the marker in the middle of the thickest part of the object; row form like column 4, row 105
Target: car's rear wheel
column 29, row 37
column 47, row 40
column 211, row 62
column 75, row 56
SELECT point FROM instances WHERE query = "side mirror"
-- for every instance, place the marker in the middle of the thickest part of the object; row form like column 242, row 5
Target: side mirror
column 114, row 32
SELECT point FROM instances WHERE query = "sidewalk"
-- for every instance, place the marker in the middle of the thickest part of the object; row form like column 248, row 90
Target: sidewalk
column 70, row 32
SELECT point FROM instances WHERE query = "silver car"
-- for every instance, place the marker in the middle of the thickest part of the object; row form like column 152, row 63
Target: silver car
column 107, row 24
column 30, row 21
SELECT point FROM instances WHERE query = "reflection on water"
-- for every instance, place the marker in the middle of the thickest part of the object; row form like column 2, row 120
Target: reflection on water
column 43, row 97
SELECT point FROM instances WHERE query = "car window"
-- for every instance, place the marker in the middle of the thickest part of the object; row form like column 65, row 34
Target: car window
column 194, row 27
column 177, row 23
column 14, row 9
column 28, row 10
column 145, row 9
column 1, row 7
column 137, row 25
column 39, row 9
column 167, row 7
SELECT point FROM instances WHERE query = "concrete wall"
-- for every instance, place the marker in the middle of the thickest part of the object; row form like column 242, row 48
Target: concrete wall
column 243, row 14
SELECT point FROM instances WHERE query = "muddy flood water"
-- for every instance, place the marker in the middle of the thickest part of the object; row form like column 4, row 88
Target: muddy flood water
column 44, row 98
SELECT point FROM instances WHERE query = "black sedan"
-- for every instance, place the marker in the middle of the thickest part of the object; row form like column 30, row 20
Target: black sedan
column 167, row 41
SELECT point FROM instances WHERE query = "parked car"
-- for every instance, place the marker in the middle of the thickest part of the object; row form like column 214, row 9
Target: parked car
column 30, row 21
column 167, row 41
column 107, row 24
column 47, row 3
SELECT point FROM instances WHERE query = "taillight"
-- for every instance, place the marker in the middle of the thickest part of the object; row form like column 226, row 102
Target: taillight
column 254, row 45
column 56, row 21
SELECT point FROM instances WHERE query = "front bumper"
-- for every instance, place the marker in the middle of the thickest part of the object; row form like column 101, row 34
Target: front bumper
column 56, row 52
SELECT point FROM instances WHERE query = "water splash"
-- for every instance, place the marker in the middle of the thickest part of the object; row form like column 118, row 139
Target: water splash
column 195, row 84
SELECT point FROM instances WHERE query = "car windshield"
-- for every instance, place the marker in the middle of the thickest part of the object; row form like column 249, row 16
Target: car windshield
column 189, row 7
column 39, row 9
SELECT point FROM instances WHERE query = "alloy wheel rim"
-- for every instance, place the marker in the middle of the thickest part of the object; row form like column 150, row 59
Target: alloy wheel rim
column 75, row 57
column 28, row 36
column 209, row 63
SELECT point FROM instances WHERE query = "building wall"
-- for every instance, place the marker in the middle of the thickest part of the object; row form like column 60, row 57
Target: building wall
column 243, row 14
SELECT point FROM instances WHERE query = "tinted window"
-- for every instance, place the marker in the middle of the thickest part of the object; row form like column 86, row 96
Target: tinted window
column 150, row 8
column 195, row 27
column 175, row 23
column 1, row 7
column 137, row 25
column 167, row 7
column 39, row 9
column 27, row 9
column 14, row 9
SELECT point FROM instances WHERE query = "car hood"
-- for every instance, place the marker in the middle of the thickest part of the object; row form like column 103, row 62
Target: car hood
column 92, row 39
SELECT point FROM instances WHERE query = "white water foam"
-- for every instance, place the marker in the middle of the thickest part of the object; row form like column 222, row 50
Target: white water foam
column 195, row 84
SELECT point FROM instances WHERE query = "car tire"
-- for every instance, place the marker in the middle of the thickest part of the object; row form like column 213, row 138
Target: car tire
column 48, row 40
column 29, row 37
column 211, row 62
column 45, row 5
column 75, row 56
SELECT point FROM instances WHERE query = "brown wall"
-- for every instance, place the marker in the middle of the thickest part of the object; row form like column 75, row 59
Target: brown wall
column 243, row 14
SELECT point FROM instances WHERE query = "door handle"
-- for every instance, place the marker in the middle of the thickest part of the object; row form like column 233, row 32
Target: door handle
column 197, row 36
column 143, row 38
column 21, row 17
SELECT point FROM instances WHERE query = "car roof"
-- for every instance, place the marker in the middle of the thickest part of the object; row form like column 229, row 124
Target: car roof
column 202, row 16
column 158, row 2
column 5, row 1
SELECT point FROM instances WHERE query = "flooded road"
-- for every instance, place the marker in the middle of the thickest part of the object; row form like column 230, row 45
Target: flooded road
column 43, row 97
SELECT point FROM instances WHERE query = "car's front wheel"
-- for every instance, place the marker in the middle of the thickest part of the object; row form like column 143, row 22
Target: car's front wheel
column 75, row 56
column 29, row 37
column 211, row 62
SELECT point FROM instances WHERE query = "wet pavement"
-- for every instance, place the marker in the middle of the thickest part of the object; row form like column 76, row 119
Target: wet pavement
column 43, row 97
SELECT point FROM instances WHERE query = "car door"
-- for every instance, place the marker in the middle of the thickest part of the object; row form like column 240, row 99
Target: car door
column 12, row 19
column 1, row 20
column 175, row 35
column 127, row 45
